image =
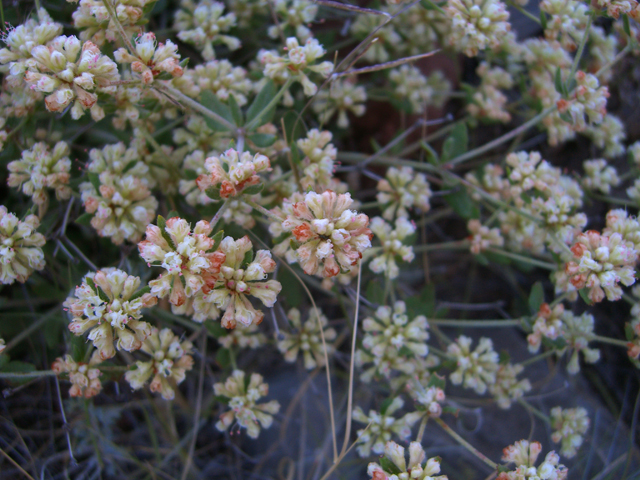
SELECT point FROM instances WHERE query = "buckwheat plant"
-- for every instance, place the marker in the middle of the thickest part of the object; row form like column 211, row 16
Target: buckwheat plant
column 108, row 304
column 84, row 377
column 169, row 363
column 403, row 189
column 391, row 240
column 476, row 369
column 396, row 467
column 242, row 398
column 20, row 247
column 569, row 427
column 305, row 338
column 524, row 455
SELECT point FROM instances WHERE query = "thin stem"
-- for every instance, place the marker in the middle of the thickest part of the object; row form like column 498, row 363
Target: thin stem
column 583, row 42
column 455, row 245
column 464, row 443
column 504, row 138
column 256, row 120
column 535, row 411
column 216, row 218
column 347, row 432
column 181, row 97
column 26, row 375
column 65, row 425
column 540, row 356
column 449, row 322
column 423, row 425
column 610, row 341
column 525, row 12
column 121, row 32
column 615, row 60
column 261, row 209
column 522, row 258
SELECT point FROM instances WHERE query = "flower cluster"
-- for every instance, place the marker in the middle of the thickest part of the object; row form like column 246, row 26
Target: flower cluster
column 391, row 240
column 483, row 237
column 318, row 163
column 477, row 24
column 306, row 338
column 203, row 25
column 524, row 455
column 152, row 59
column 71, row 72
column 600, row 175
column 602, row 262
column 168, row 365
column 382, row 426
column 332, row 238
column 569, row 425
column 476, row 369
column 489, row 102
column 39, row 169
column 232, row 172
column 342, row 97
column 389, row 333
column 20, row 247
column 507, row 387
column 84, row 377
column 241, row 275
column 589, row 99
column 412, row 86
column 297, row 65
column 108, row 304
column 242, row 397
column 399, row 469
column 188, row 258
column 402, row 189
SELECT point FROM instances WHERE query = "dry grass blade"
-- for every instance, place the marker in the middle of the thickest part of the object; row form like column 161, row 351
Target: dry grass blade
column 22, row 470
column 350, row 8
column 383, row 66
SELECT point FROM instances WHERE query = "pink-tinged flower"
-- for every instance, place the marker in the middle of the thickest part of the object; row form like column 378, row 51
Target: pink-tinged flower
column 603, row 261
column 332, row 237
column 589, row 98
column 231, row 172
column 396, row 466
column 152, row 58
column 188, row 258
column 109, row 306
column 20, row 247
column 569, row 426
column 241, row 276
column 524, row 455
column 170, row 361
column 242, row 398
column 85, row 381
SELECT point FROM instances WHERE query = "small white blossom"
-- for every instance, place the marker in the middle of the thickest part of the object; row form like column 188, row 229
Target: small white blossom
column 414, row 470
column 20, row 247
column 391, row 245
column 402, row 189
column 477, row 24
column 305, row 337
column 475, row 369
column 84, row 377
column 569, row 425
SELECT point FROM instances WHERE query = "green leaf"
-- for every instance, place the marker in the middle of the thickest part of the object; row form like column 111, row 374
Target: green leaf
column 130, row 165
column 262, row 140
column 375, row 292
column 253, row 189
column 423, row 303
column 248, row 257
column 139, row 293
column 629, row 333
column 456, row 143
column 235, row 111
column 162, row 225
column 217, row 238
column 260, row 102
column 436, row 381
column 16, row 366
column 536, row 297
column 172, row 214
column 560, row 87
column 223, row 357
column 221, row 399
column 557, row 344
column 94, row 178
column 462, row 204
column 290, row 287
column 504, row 357
column 566, row 117
column 84, row 219
column 389, row 467
column 543, row 20
column 625, row 24
column 584, row 293
column 405, row 352
column 432, row 155
column 103, row 296
column 215, row 329
column 91, row 284
column 385, row 405
column 190, row 174
column 211, row 101
column 213, row 193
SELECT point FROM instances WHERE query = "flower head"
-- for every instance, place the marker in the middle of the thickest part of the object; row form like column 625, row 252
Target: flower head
column 402, row 189
column 475, row 369
column 85, row 380
column 108, row 304
column 170, row 360
column 20, row 247
column 305, row 337
column 477, row 24
column 331, row 237
column 232, row 171
column 152, row 58
column 242, row 398
column 569, row 426
column 414, row 470
column 524, row 455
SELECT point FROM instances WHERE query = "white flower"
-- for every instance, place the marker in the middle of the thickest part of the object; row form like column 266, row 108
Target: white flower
column 475, row 369
column 411, row 85
column 391, row 240
column 477, row 24
column 305, row 337
column 525, row 455
column 85, row 380
column 569, row 426
column 20, row 247
column 152, row 58
column 402, row 189
column 108, row 304
column 242, row 398
column 232, row 171
column 414, row 470
column 342, row 97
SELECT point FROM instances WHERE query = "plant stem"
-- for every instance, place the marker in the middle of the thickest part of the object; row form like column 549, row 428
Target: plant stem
column 26, row 375
column 449, row 322
column 522, row 258
column 583, row 42
column 540, row 356
column 610, row 341
column 181, row 97
column 261, row 209
column 256, row 120
column 455, row 245
column 615, row 60
column 465, row 444
column 423, row 425
column 216, row 218
column 121, row 32
column 504, row 138
column 535, row 411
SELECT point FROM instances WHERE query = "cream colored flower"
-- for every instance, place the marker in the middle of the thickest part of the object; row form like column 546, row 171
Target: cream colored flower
column 108, row 304
column 242, row 397
column 402, row 189
column 152, row 58
column 85, row 380
column 475, row 369
column 569, row 427
column 414, row 470
column 168, row 366
column 20, row 247
column 232, row 172
column 305, row 337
